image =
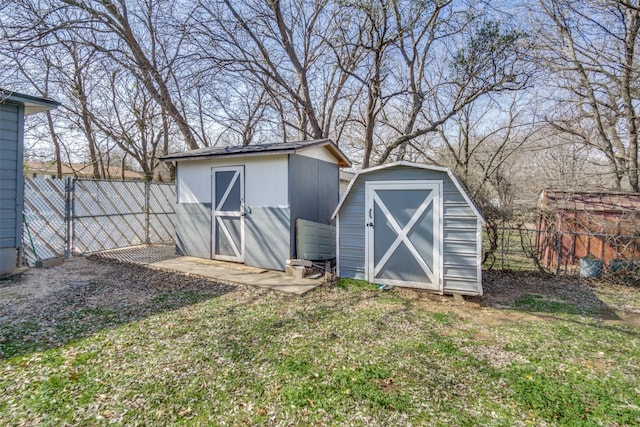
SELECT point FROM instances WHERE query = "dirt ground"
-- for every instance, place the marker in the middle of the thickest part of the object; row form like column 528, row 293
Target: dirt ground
column 107, row 284
column 84, row 282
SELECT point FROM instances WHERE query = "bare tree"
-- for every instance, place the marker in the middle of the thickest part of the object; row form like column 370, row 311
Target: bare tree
column 482, row 140
column 591, row 48
column 490, row 59
column 376, row 35
column 422, row 64
column 382, row 75
column 136, row 35
column 133, row 122
column 282, row 49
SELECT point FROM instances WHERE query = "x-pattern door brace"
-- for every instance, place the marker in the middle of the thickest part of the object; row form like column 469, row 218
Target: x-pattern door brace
column 402, row 234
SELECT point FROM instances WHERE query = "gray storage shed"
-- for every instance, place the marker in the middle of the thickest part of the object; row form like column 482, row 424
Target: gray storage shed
column 411, row 225
column 241, row 203
column 13, row 107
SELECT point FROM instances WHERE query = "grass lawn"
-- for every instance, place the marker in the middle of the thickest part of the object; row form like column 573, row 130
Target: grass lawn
column 342, row 355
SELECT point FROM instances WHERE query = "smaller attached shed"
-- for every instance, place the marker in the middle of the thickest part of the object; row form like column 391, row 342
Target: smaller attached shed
column 13, row 108
column 241, row 203
column 410, row 225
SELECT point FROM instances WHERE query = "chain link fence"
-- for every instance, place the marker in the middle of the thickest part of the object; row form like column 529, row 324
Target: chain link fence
column 64, row 217
column 72, row 216
column 45, row 217
column 525, row 248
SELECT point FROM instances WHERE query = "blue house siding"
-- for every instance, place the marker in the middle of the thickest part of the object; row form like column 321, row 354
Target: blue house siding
column 13, row 108
column 11, row 184
column 351, row 234
column 11, row 124
column 461, row 228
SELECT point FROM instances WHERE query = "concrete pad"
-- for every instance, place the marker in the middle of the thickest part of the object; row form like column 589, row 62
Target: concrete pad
column 238, row 274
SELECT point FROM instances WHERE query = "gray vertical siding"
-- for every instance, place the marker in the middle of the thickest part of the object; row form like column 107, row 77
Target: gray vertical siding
column 351, row 231
column 460, row 227
column 314, row 191
column 11, row 182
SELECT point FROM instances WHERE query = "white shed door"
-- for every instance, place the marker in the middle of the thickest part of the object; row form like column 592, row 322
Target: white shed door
column 227, row 219
column 403, row 233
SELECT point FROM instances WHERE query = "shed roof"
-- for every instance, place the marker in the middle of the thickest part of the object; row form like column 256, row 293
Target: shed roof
column 461, row 188
column 32, row 104
column 582, row 201
column 260, row 150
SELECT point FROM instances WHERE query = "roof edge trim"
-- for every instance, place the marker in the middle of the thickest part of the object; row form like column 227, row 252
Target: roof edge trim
column 33, row 104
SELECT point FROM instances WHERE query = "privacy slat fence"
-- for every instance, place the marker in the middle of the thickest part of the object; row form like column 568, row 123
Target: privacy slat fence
column 77, row 216
column 44, row 222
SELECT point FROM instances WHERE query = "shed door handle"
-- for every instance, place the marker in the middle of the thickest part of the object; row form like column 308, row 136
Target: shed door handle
column 371, row 213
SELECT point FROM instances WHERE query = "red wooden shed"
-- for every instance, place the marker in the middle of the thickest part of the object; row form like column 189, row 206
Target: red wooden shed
column 573, row 225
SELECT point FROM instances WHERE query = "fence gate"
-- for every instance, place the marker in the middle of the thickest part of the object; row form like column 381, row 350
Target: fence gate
column 78, row 216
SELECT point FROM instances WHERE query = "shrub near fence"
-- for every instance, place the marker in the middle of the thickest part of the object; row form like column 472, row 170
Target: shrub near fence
column 76, row 216
column 522, row 248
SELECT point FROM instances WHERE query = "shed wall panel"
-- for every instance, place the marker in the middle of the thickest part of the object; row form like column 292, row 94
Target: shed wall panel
column 193, row 229
column 460, row 227
column 465, row 287
column 6, row 196
column 267, row 237
column 6, row 243
column 352, row 234
column 7, row 222
column 456, row 210
column 328, row 190
column 8, row 173
column 459, row 223
column 266, row 180
column 314, row 191
column 459, row 235
column 8, row 185
column 19, row 178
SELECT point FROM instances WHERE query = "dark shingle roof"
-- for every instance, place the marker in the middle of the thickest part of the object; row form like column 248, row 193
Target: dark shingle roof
column 261, row 149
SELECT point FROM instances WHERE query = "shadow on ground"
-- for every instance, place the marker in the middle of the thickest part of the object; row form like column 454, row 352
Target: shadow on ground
column 104, row 294
column 543, row 293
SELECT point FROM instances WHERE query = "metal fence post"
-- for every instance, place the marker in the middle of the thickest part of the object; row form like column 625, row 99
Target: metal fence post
column 559, row 252
column 147, row 207
column 502, row 249
column 67, row 218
